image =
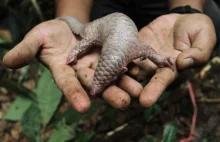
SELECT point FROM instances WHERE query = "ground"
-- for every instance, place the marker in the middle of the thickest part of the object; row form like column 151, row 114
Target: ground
column 104, row 123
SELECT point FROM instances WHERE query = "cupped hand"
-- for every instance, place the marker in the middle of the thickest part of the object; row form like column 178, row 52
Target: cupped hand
column 189, row 39
column 51, row 43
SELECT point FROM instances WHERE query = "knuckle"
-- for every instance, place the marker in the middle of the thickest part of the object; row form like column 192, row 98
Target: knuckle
column 203, row 58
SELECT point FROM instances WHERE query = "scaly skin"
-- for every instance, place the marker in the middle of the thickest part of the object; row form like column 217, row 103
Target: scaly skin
column 118, row 35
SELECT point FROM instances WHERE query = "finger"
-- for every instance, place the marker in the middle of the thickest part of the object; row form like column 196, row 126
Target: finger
column 116, row 97
column 133, row 69
column 146, row 69
column 156, row 86
column 113, row 95
column 67, row 82
column 199, row 53
column 136, row 72
column 85, row 76
column 23, row 53
column 143, row 75
column 131, row 86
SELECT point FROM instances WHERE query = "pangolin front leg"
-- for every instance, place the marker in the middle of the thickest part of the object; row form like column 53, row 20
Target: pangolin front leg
column 81, row 48
column 119, row 36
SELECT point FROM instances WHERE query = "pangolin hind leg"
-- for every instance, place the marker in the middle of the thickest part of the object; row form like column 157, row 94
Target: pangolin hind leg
column 81, row 48
column 148, row 52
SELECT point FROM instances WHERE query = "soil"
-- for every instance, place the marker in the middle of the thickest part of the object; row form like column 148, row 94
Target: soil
column 130, row 125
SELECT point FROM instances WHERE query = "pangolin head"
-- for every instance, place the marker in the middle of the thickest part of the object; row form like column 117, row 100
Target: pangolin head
column 96, row 90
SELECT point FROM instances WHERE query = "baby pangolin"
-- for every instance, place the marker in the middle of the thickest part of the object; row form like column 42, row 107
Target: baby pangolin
column 118, row 35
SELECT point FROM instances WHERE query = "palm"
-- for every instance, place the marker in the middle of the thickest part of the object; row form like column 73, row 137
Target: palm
column 159, row 35
column 57, row 41
column 182, row 37
column 51, row 43
column 170, row 35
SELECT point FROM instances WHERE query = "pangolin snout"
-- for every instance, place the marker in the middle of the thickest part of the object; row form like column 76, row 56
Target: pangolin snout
column 96, row 90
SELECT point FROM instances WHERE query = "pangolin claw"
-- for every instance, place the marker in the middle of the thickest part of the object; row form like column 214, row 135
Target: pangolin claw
column 118, row 35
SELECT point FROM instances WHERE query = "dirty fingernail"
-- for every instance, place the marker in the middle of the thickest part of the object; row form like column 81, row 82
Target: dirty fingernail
column 172, row 60
column 134, row 71
column 187, row 63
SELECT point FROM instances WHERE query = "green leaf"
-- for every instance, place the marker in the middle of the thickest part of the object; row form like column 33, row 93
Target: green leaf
column 163, row 96
column 5, row 45
column 17, row 87
column 73, row 117
column 152, row 110
column 84, row 137
column 148, row 138
column 4, row 41
column 24, row 73
column 148, row 112
column 110, row 115
column 17, row 23
column 157, row 108
column 169, row 133
column 204, row 140
column 63, row 132
column 31, row 124
column 144, row 83
column 2, row 52
column 48, row 96
column 18, row 108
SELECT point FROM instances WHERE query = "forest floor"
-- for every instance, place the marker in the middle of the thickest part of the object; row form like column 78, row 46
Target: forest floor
column 173, row 111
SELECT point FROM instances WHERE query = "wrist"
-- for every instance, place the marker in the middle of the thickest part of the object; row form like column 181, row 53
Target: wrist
column 195, row 4
column 184, row 10
column 79, row 9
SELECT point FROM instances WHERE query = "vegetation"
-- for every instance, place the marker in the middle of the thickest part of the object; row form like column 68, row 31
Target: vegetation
column 33, row 109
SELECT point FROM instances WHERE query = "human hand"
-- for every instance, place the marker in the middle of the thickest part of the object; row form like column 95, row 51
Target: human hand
column 51, row 43
column 188, row 38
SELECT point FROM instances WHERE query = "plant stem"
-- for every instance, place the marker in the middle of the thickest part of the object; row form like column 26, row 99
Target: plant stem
column 192, row 129
column 37, row 9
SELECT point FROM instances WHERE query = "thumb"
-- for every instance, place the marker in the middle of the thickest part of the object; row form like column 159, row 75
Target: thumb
column 201, row 48
column 23, row 53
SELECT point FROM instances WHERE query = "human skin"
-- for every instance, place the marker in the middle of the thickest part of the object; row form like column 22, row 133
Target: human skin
column 117, row 35
column 52, row 47
column 187, row 38
column 44, row 35
column 51, row 42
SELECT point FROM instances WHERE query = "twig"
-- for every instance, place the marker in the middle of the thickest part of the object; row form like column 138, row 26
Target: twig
column 192, row 129
column 117, row 129
column 37, row 9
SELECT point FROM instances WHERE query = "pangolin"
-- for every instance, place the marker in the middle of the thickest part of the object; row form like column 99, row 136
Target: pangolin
column 118, row 36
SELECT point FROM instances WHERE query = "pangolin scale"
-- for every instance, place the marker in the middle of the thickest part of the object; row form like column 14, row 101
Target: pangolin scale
column 118, row 36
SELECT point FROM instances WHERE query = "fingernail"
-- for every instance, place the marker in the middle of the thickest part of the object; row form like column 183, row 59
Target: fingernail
column 172, row 60
column 187, row 62
column 134, row 71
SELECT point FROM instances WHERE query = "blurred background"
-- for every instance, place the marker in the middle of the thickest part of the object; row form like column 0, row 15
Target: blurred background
column 33, row 109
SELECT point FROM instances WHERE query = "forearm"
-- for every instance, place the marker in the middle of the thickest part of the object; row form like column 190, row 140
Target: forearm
column 197, row 4
column 79, row 9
